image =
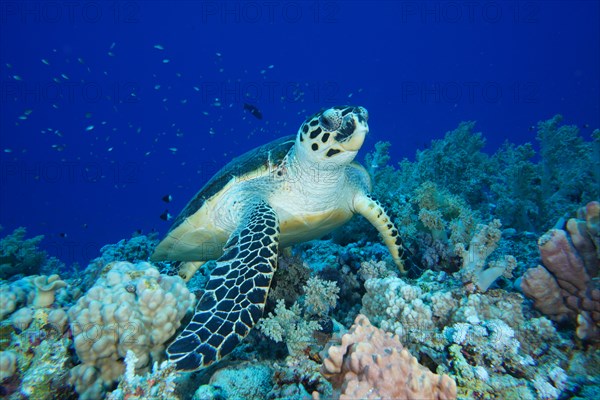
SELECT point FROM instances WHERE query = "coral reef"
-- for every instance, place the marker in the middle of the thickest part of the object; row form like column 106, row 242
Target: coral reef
column 516, row 192
column 484, row 340
column 289, row 324
column 131, row 307
column 15, row 294
column 158, row 384
column 483, row 243
column 34, row 358
column 320, row 296
column 566, row 286
column 45, row 289
column 372, row 364
column 568, row 169
column 19, row 255
column 457, row 331
column 289, row 279
column 137, row 248
column 508, row 186
column 245, row 381
column 297, row 324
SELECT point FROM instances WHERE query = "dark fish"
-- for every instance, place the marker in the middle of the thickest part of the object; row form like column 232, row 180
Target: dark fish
column 532, row 128
column 62, row 235
column 253, row 110
column 166, row 216
column 85, row 226
column 585, row 126
column 138, row 231
column 167, row 198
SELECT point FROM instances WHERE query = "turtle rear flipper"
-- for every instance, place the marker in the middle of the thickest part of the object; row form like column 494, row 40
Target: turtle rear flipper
column 235, row 295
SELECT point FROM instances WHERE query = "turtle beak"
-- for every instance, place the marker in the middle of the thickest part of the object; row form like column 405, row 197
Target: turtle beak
column 358, row 120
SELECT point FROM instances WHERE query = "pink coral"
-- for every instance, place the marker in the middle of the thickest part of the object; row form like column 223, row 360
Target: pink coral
column 565, row 288
column 371, row 363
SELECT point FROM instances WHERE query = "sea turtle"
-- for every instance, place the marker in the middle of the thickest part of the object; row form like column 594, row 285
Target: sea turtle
column 291, row 190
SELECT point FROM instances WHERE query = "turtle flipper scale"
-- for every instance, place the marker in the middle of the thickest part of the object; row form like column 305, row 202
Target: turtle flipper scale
column 235, row 294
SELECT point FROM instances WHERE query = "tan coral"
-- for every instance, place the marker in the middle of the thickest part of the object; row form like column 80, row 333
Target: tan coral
column 45, row 288
column 547, row 299
column 8, row 364
column 568, row 289
column 372, row 364
column 131, row 307
column 585, row 235
column 483, row 243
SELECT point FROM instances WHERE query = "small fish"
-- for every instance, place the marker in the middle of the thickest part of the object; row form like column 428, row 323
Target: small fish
column 138, row 231
column 62, row 235
column 166, row 216
column 253, row 110
column 84, row 226
column 532, row 128
column 585, row 126
column 167, row 198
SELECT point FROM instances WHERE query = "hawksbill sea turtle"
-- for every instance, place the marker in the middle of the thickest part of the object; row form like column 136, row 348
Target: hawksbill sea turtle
column 289, row 191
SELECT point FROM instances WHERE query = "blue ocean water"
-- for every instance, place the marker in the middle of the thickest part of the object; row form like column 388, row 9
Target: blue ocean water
column 106, row 107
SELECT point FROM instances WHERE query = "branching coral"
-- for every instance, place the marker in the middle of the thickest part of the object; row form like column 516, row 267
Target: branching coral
column 294, row 325
column 289, row 324
column 372, row 364
column 482, row 245
column 565, row 287
column 159, row 384
column 320, row 296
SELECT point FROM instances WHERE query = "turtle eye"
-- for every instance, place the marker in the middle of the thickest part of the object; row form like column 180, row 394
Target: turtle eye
column 326, row 122
column 329, row 120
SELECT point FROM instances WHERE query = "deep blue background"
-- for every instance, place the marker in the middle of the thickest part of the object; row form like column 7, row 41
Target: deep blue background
column 419, row 67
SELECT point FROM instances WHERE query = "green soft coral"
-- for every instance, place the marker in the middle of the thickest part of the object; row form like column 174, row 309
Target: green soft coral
column 516, row 189
column 568, row 169
column 456, row 163
column 19, row 255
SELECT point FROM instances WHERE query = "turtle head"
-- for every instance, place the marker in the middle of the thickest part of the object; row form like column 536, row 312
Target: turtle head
column 334, row 135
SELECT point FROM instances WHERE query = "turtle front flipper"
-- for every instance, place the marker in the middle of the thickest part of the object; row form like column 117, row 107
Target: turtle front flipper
column 235, row 295
column 373, row 211
column 187, row 269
